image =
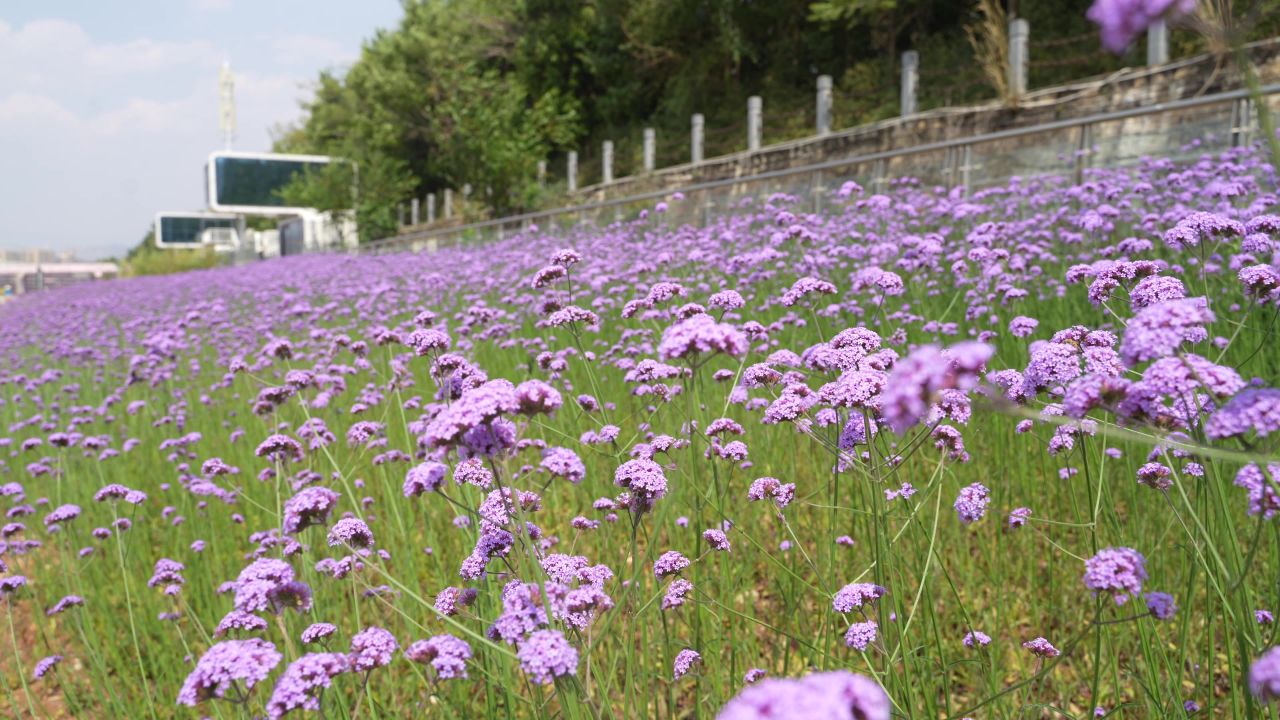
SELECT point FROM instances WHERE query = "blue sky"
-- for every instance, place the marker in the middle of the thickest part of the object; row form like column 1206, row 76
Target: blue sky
column 108, row 110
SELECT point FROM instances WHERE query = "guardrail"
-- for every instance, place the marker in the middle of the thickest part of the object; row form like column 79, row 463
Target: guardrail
column 1181, row 128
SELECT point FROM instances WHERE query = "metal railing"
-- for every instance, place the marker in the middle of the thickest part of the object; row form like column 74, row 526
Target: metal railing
column 1179, row 128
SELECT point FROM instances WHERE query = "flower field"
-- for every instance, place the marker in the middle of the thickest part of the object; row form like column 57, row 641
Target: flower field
column 925, row 454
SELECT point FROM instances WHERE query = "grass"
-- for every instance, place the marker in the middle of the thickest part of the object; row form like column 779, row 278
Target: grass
column 765, row 604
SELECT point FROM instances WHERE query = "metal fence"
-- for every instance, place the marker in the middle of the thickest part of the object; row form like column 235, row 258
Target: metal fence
column 1177, row 129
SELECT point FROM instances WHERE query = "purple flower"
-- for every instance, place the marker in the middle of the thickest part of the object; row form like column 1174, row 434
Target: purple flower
column 1161, row 605
column 64, row 514
column 1160, row 330
column 565, row 463
column 716, row 539
column 975, row 638
column 971, row 503
column 426, row 477
column 1264, row 676
column 546, row 655
column 836, row 695
column 1263, row 499
column 1041, row 648
column 1022, row 326
column 310, row 506
column 856, row 595
column 1253, row 410
column 1018, row 517
column 685, row 660
column 62, row 605
column 352, row 532
column 1118, row 570
column 536, row 397
column 645, row 479
column 1155, row 475
column 677, row 593
column 316, row 632
column 701, row 334
column 230, row 661
column 372, row 648
column 303, row 681
column 241, row 621
column 447, row 654
column 669, row 563
column 45, row 665
column 860, row 635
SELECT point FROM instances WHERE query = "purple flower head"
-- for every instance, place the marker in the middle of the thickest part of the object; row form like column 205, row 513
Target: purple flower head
column 1160, row 330
column 645, row 480
column 677, row 593
column 310, row 506
column 1254, row 410
column 1161, row 605
column 1018, row 517
column 316, row 632
column 856, row 595
column 716, row 539
column 280, row 448
column 546, row 655
column 426, row 477
column 1263, row 498
column 861, row 635
column 230, row 661
column 564, row 463
column 372, row 648
column 351, row 532
column 43, row 667
column 976, row 638
column 238, row 620
column 685, row 660
column 1264, row 676
column 63, row 514
column 669, row 563
column 1117, row 570
column 1041, row 647
column 971, row 503
column 701, row 334
column 447, row 654
column 300, row 686
column 836, row 695
column 537, row 397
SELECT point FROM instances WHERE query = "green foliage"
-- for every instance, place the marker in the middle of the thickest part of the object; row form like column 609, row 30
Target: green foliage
column 147, row 259
column 477, row 92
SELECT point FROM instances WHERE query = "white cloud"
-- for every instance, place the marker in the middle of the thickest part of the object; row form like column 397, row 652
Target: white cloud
column 56, row 55
column 121, row 130
column 31, row 110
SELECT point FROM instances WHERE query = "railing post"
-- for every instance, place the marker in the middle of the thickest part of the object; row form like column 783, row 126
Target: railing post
column 1019, row 33
column 755, row 113
column 413, row 212
column 910, row 79
column 1083, row 151
column 697, row 124
column 572, row 171
column 400, row 215
column 542, row 173
column 824, row 105
column 650, row 149
column 431, row 208
column 1158, row 43
column 606, row 162
column 448, row 203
